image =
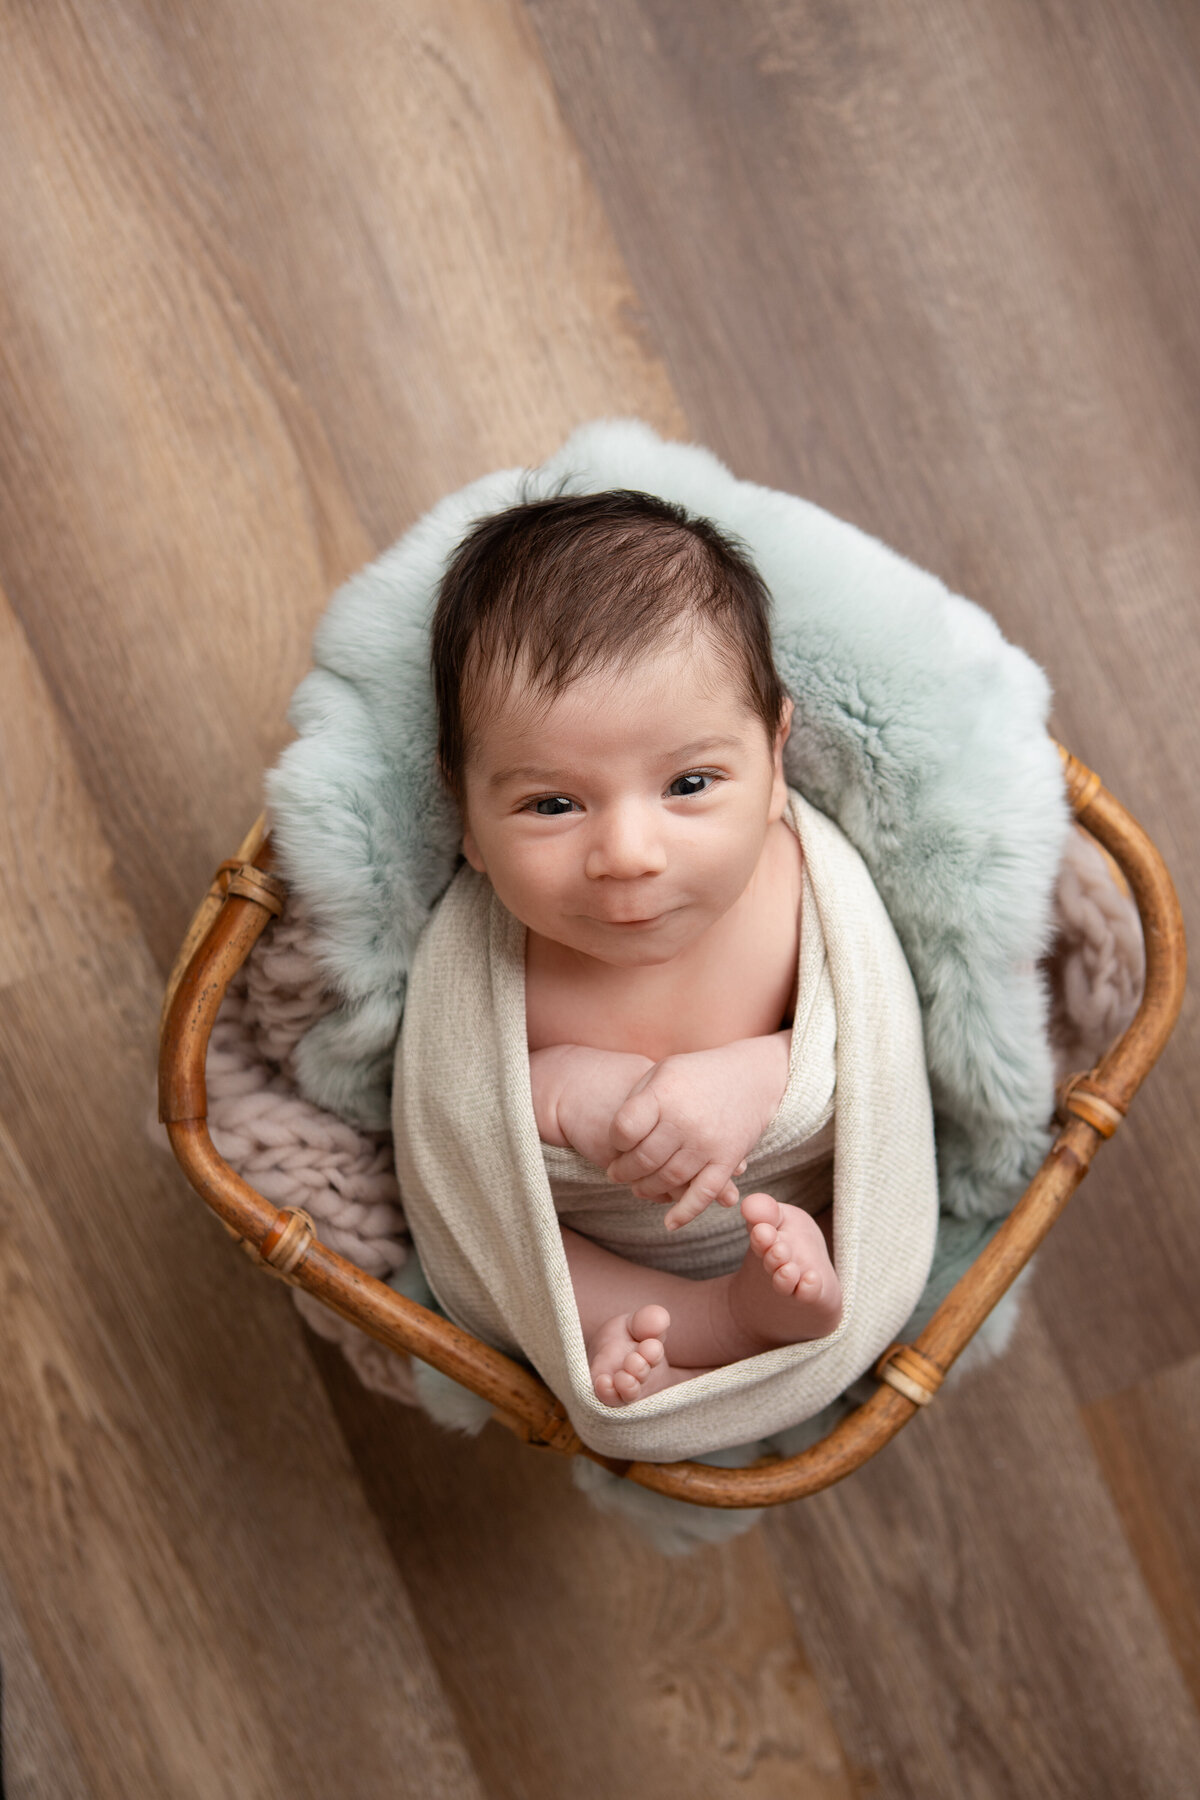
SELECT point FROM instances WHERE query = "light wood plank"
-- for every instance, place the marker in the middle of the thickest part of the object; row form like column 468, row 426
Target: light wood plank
column 58, row 887
column 266, row 290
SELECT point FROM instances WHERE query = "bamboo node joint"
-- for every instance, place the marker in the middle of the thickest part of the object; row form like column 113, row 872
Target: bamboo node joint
column 910, row 1372
column 287, row 1240
column 554, row 1431
column 250, row 883
column 1082, row 1096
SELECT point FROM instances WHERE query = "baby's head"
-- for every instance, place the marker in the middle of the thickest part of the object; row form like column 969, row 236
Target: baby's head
column 610, row 719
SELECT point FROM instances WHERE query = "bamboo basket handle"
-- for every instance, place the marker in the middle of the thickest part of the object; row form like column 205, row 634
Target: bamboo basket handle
column 243, row 898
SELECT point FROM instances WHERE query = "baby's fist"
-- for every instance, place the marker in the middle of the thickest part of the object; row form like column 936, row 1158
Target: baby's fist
column 633, row 1122
column 685, row 1129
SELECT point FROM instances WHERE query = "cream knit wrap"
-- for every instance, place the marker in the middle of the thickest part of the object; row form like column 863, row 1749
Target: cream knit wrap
column 476, row 1181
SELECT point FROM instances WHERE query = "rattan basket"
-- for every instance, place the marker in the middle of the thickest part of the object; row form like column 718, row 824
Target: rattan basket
column 246, row 895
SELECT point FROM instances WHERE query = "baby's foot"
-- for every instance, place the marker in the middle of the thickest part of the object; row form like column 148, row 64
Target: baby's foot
column 627, row 1358
column 792, row 1248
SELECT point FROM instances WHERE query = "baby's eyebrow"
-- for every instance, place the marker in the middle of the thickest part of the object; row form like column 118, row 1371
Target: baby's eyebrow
column 525, row 774
column 685, row 753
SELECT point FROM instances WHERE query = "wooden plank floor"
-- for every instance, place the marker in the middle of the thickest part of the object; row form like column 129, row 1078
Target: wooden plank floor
column 270, row 285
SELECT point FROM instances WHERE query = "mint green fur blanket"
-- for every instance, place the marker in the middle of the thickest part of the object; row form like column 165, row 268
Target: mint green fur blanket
column 917, row 728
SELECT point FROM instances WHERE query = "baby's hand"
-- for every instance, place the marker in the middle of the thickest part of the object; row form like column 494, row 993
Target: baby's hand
column 576, row 1091
column 689, row 1124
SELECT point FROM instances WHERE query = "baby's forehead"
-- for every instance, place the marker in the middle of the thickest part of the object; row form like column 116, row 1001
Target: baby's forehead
column 673, row 688
column 503, row 711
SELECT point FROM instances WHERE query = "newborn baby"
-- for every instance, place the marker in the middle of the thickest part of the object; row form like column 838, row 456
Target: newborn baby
column 611, row 724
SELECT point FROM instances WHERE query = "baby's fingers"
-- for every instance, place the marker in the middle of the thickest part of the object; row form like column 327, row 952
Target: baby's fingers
column 633, row 1120
column 711, row 1184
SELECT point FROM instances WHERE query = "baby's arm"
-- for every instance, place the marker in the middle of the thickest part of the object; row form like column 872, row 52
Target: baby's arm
column 576, row 1091
column 690, row 1122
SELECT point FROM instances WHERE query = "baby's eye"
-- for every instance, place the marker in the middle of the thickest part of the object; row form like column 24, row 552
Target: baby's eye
column 683, row 785
column 552, row 806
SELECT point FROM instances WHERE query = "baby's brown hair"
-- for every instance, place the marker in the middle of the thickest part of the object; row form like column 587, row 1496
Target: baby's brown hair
column 580, row 582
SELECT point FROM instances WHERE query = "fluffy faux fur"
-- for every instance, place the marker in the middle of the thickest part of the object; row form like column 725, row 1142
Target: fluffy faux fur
column 917, row 728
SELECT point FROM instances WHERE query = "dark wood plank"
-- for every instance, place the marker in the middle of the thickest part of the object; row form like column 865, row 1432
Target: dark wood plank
column 937, row 272
column 625, row 1672
column 202, row 1587
column 39, row 1757
column 1147, row 1441
column 975, row 1615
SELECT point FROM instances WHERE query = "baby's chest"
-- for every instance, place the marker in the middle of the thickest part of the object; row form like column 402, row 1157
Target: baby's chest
column 659, row 1013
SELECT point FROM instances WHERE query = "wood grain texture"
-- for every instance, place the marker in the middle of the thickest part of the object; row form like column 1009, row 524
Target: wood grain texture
column 975, row 1615
column 39, row 1757
column 269, row 288
column 623, row 1671
column 270, row 282
column 1147, row 1441
column 933, row 267
column 58, row 888
column 184, row 1540
column 153, row 1636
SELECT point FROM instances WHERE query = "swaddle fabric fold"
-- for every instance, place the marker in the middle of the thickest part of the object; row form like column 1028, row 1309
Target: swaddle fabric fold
column 476, row 1179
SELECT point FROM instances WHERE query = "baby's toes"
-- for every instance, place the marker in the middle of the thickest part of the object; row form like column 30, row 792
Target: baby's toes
column 761, row 1209
column 778, row 1254
column 797, row 1278
column 649, row 1322
column 605, row 1390
column 627, row 1386
column 764, row 1238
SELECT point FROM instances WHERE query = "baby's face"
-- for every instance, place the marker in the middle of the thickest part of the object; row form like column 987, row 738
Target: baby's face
column 630, row 814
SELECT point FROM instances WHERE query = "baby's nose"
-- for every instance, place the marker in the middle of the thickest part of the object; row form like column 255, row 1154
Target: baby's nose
column 625, row 843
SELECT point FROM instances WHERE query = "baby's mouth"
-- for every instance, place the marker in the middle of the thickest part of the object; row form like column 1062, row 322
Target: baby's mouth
column 634, row 924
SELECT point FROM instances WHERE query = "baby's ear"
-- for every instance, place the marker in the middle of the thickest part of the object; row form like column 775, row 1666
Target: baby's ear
column 779, row 794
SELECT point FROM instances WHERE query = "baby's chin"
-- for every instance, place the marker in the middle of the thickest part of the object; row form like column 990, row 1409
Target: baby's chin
column 637, row 947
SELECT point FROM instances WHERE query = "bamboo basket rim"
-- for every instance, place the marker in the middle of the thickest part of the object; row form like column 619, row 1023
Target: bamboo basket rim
column 246, row 894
